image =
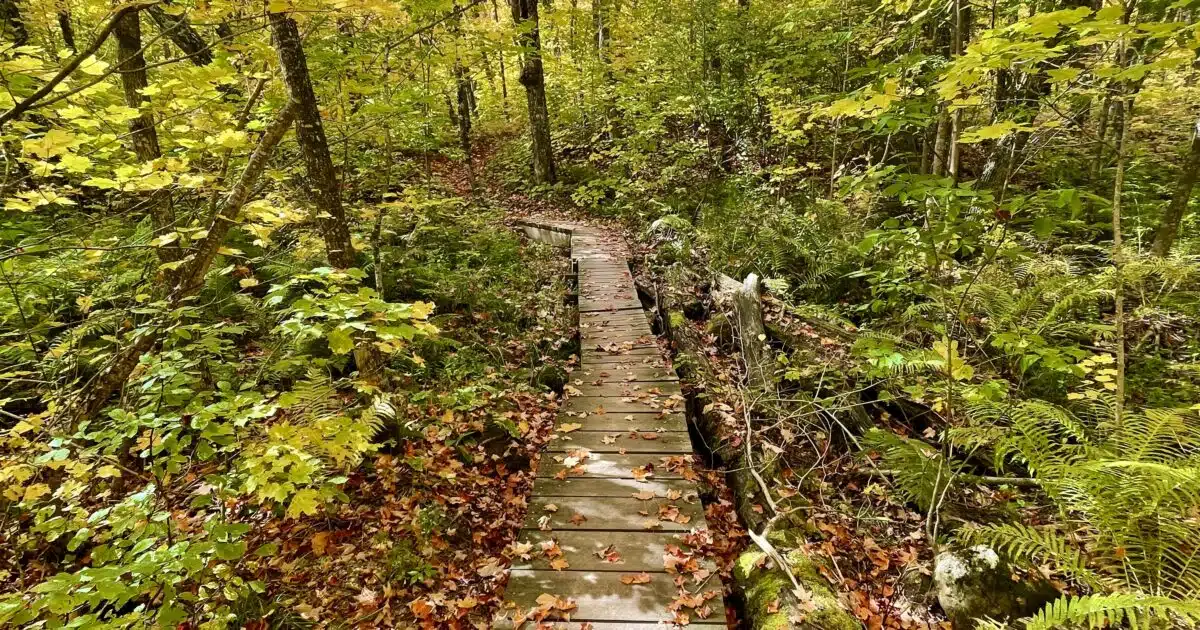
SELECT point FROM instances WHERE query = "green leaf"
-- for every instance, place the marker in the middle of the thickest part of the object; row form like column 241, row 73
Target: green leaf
column 340, row 341
column 305, row 502
column 234, row 550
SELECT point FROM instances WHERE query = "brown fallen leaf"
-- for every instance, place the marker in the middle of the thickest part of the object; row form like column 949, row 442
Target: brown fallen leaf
column 610, row 555
column 635, row 578
column 320, row 543
column 644, row 496
column 577, row 519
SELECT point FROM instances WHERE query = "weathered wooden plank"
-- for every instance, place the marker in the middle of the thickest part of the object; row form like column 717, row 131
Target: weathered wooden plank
column 609, row 487
column 629, row 552
column 613, row 513
column 609, row 306
column 602, row 596
column 627, row 389
column 612, row 422
column 643, row 356
column 673, row 442
column 626, row 333
column 644, row 403
column 616, row 465
column 614, row 374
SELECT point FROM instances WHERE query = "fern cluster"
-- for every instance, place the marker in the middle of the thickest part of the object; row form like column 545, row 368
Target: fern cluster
column 1128, row 496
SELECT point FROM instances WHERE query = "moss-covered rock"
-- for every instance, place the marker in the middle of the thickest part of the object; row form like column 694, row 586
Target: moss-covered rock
column 976, row 582
column 771, row 604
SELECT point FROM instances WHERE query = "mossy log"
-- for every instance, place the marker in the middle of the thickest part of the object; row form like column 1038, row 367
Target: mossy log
column 772, row 603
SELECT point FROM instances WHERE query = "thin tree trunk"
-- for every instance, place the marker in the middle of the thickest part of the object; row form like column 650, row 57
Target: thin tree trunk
column 142, row 131
column 959, row 40
column 322, row 178
column 181, row 33
column 100, row 389
column 1168, row 229
column 68, row 30
column 503, row 69
column 525, row 16
column 464, row 117
column 941, row 142
column 14, row 23
column 310, row 134
column 1122, row 115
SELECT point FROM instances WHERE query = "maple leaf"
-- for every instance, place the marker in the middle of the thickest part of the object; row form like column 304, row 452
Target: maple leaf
column 610, row 555
column 420, row 608
column 569, row 427
column 577, row 519
column 320, row 543
column 635, row 578
column 644, row 495
column 367, row 598
column 558, row 564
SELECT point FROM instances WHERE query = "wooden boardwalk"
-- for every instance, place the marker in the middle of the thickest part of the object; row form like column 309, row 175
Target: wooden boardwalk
column 615, row 500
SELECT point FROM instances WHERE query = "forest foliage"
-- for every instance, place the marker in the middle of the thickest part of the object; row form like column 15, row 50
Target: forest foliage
column 254, row 272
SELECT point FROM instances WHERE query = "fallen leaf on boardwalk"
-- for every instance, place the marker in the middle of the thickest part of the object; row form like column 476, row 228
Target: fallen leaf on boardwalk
column 569, row 427
column 578, row 519
column 550, row 507
column 635, row 578
column 547, row 601
column 649, row 436
column 558, row 564
column 610, row 555
column 642, row 472
column 610, row 439
column 644, row 496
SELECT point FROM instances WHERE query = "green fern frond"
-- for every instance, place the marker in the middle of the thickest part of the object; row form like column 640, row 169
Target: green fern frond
column 1096, row 611
column 1035, row 546
column 920, row 472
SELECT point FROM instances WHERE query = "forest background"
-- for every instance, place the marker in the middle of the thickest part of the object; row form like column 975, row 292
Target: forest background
column 258, row 292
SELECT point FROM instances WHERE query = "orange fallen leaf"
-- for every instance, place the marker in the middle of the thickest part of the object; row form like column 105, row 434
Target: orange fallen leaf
column 635, row 578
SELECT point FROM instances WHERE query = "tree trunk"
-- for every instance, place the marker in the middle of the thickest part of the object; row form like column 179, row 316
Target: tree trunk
column 310, row 134
column 68, row 30
column 181, row 33
column 1168, row 229
column 463, row 85
column 100, row 389
column 14, row 23
column 525, row 16
column 322, row 178
column 941, row 142
column 142, row 132
column 1122, row 114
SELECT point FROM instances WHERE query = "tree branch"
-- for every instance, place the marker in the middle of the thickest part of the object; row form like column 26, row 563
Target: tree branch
column 75, row 62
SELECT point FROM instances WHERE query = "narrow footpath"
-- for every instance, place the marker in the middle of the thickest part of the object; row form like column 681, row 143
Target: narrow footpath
column 615, row 501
